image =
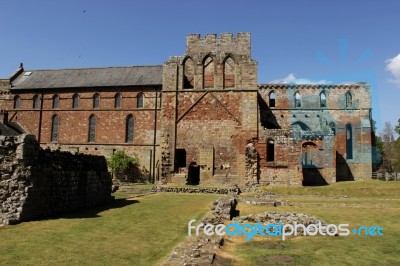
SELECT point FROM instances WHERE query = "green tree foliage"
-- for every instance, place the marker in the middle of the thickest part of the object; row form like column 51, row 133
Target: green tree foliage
column 389, row 152
column 397, row 144
column 121, row 165
column 397, row 128
column 378, row 151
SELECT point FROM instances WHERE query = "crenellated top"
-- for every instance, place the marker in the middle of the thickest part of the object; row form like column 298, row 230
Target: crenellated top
column 225, row 44
column 212, row 62
column 225, row 37
column 317, row 96
column 278, row 86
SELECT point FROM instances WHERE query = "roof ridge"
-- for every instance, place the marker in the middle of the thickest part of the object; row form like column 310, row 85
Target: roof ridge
column 83, row 68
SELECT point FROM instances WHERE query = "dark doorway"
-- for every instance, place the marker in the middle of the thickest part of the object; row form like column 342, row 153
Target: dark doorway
column 193, row 174
column 180, row 158
column 270, row 151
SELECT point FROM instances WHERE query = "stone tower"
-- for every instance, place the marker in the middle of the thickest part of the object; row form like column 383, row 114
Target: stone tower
column 209, row 109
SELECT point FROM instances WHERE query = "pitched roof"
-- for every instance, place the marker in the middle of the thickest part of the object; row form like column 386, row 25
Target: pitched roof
column 89, row 77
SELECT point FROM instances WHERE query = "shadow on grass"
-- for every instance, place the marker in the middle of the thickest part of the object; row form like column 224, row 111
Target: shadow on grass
column 91, row 212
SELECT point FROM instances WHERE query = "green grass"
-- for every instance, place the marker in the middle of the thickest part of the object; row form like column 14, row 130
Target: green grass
column 325, row 250
column 140, row 231
column 362, row 188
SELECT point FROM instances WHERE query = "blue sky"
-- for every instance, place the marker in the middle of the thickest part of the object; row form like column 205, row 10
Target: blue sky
column 295, row 41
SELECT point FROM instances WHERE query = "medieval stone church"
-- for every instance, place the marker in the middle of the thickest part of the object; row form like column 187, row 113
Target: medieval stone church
column 200, row 117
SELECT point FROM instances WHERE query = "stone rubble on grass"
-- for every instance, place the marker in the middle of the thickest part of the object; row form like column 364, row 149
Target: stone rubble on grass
column 202, row 249
column 276, row 217
column 265, row 198
column 233, row 190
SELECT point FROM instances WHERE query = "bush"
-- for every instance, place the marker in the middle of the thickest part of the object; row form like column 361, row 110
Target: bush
column 123, row 165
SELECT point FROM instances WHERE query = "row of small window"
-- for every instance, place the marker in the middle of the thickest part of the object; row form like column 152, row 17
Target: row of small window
column 129, row 128
column 297, row 99
column 75, row 101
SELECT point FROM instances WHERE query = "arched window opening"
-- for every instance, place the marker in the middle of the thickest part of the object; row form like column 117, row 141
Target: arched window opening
column 55, row 122
column 333, row 128
column 96, row 100
column 310, row 155
column 229, row 73
column 56, row 101
column 117, row 100
column 140, row 100
column 270, row 151
column 75, row 101
column 271, row 99
column 17, row 102
column 36, row 102
column 130, row 124
column 349, row 141
column 208, row 73
column 188, row 74
column 92, row 129
column 297, row 100
column 349, row 100
column 322, row 99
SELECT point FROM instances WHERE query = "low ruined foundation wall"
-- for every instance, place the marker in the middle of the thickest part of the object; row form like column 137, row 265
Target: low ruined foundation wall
column 38, row 183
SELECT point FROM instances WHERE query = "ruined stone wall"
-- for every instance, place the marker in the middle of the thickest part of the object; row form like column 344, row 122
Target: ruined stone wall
column 39, row 183
column 211, row 112
column 293, row 164
column 333, row 117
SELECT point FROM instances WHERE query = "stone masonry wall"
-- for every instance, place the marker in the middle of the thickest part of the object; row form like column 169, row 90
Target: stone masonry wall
column 73, row 127
column 210, row 122
column 38, row 183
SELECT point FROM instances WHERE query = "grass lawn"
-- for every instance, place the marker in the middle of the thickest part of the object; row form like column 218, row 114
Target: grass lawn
column 140, row 231
column 372, row 203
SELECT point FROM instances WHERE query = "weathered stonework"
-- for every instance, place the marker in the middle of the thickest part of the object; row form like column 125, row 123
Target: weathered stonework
column 202, row 118
column 38, row 183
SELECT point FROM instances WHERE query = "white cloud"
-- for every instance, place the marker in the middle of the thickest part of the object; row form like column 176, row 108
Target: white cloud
column 393, row 66
column 291, row 79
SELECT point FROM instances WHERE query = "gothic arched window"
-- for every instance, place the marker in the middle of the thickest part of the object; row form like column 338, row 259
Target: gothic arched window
column 140, row 100
column 56, row 101
column 349, row 100
column 92, row 129
column 130, row 124
column 117, row 100
column 17, row 102
column 349, row 141
column 36, row 102
column 271, row 99
column 55, row 122
column 188, row 74
column 96, row 100
column 208, row 72
column 75, row 101
column 229, row 73
column 322, row 99
column 297, row 100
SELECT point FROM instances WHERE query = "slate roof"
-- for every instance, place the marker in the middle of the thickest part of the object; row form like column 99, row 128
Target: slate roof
column 89, row 77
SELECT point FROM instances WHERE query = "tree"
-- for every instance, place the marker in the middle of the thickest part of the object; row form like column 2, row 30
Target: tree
column 378, row 152
column 389, row 148
column 397, row 145
column 121, row 164
column 397, row 128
